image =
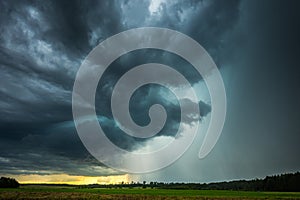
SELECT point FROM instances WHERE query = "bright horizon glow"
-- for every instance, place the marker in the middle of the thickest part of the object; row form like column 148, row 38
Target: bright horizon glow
column 69, row 179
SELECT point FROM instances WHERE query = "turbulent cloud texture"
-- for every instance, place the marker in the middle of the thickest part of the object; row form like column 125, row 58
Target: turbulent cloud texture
column 42, row 44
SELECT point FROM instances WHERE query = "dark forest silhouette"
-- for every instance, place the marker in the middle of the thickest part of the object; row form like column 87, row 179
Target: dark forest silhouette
column 8, row 183
column 282, row 183
column 285, row 182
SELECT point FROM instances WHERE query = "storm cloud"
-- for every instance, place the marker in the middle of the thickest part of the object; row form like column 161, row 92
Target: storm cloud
column 42, row 45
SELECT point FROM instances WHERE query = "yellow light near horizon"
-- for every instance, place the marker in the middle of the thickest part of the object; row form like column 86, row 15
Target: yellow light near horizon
column 70, row 179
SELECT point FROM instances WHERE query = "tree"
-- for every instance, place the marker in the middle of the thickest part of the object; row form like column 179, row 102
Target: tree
column 8, row 183
column 151, row 184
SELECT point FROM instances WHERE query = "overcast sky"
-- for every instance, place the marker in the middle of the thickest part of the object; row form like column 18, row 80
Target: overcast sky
column 255, row 45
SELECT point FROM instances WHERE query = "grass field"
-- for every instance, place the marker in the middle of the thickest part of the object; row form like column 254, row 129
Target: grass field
column 54, row 192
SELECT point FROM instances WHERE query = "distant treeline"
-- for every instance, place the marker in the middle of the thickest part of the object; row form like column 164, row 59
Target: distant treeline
column 285, row 182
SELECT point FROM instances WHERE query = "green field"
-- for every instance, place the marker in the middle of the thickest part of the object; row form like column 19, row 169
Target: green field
column 54, row 192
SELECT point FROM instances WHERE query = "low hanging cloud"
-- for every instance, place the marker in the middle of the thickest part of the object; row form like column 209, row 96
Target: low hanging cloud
column 42, row 45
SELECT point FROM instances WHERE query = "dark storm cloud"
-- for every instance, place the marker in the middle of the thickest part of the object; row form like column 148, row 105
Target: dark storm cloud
column 208, row 22
column 42, row 46
column 146, row 96
column 262, row 77
column 54, row 150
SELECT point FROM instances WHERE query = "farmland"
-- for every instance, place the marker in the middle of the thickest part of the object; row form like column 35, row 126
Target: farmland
column 67, row 192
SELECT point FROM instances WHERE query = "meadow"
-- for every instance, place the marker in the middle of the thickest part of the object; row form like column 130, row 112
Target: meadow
column 59, row 192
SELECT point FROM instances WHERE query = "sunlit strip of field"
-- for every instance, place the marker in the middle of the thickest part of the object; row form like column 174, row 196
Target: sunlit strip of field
column 136, row 193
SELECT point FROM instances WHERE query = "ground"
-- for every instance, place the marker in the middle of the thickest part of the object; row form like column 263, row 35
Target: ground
column 55, row 192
